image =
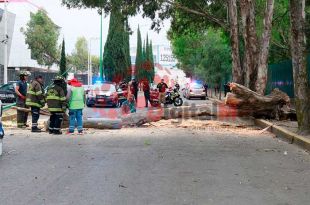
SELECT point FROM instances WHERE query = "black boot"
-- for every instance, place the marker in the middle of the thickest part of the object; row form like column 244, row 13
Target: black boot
column 50, row 131
column 57, row 132
column 35, row 129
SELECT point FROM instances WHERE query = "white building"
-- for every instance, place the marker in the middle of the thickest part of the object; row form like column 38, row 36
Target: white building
column 6, row 39
column 19, row 55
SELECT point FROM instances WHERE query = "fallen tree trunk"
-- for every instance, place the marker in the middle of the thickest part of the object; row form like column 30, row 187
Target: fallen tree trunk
column 248, row 102
column 138, row 119
column 102, row 123
column 42, row 111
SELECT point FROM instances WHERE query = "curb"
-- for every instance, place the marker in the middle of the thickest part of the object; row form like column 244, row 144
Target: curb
column 280, row 132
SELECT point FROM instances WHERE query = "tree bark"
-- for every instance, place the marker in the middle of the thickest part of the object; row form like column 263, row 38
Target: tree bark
column 247, row 8
column 248, row 102
column 298, row 47
column 262, row 70
column 237, row 70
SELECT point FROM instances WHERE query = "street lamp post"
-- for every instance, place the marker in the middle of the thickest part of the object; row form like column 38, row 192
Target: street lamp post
column 5, row 62
column 90, row 70
column 101, row 57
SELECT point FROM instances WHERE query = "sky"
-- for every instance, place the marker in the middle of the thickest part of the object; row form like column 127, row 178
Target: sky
column 75, row 23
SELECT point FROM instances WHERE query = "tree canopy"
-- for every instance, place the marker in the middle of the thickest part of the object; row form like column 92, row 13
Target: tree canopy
column 115, row 58
column 204, row 55
column 41, row 37
column 79, row 57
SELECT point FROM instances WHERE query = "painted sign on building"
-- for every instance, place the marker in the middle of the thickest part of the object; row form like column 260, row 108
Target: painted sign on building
column 162, row 55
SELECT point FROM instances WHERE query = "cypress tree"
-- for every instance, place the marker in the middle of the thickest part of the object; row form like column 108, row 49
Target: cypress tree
column 143, row 52
column 148, row 65
column 144, row 72
column 147, row 49
column 127, row 50
column 63, row 61
column 139, row 57
column 152, row 62
column 114, row 57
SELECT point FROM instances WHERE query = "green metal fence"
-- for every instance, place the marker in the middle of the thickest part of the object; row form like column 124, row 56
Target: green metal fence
column 281, row 76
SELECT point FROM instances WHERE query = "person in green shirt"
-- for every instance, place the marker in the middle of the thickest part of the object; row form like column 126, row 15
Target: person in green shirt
column 76, row 97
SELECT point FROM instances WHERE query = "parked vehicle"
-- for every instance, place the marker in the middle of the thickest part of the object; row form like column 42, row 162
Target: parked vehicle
column 102, row 94
column 195, row 90
column 173, row 97
column 87, row 88
column 7, row 92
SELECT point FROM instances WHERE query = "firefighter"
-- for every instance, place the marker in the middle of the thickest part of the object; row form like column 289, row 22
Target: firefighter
column 21, row 92
column 57, row 105
column 36, row 100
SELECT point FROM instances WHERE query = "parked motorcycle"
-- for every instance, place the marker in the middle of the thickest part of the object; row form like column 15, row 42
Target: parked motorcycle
column 173, row 97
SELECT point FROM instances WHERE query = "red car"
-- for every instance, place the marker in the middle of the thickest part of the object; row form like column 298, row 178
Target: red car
column 102, row 94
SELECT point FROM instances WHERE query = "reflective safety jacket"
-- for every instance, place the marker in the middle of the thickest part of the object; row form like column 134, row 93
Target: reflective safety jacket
column 35, row 95
column 56, row 99
column 77, row 98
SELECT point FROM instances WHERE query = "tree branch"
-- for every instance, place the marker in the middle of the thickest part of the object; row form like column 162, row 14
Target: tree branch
column 200, row 13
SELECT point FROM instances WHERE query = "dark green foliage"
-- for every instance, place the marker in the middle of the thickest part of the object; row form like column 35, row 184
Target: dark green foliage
column 115, row 57
column 41, row 37
column 204, row 55
column 152, row 72
column 63, row 61
column 139, row 57
column 145, row 60
column 79, row 57
column 127, row 50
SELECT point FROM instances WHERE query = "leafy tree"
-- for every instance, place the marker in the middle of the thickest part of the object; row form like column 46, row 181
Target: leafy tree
column 79, row 57
column 41, row 37
column 215, row 64
column 115, row 57
column 95, row 61
column 204, row 55
column 63, row 61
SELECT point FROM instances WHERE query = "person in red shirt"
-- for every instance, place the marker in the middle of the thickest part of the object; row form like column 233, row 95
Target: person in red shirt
column 146, row 90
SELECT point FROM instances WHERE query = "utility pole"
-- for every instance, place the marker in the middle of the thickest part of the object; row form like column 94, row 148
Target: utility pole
column 5, row 62
column 101, row 54
column 90, row 69
column 88, row 63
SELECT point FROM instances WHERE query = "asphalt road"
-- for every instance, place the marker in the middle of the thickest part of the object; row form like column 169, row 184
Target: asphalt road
column 153, row 166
